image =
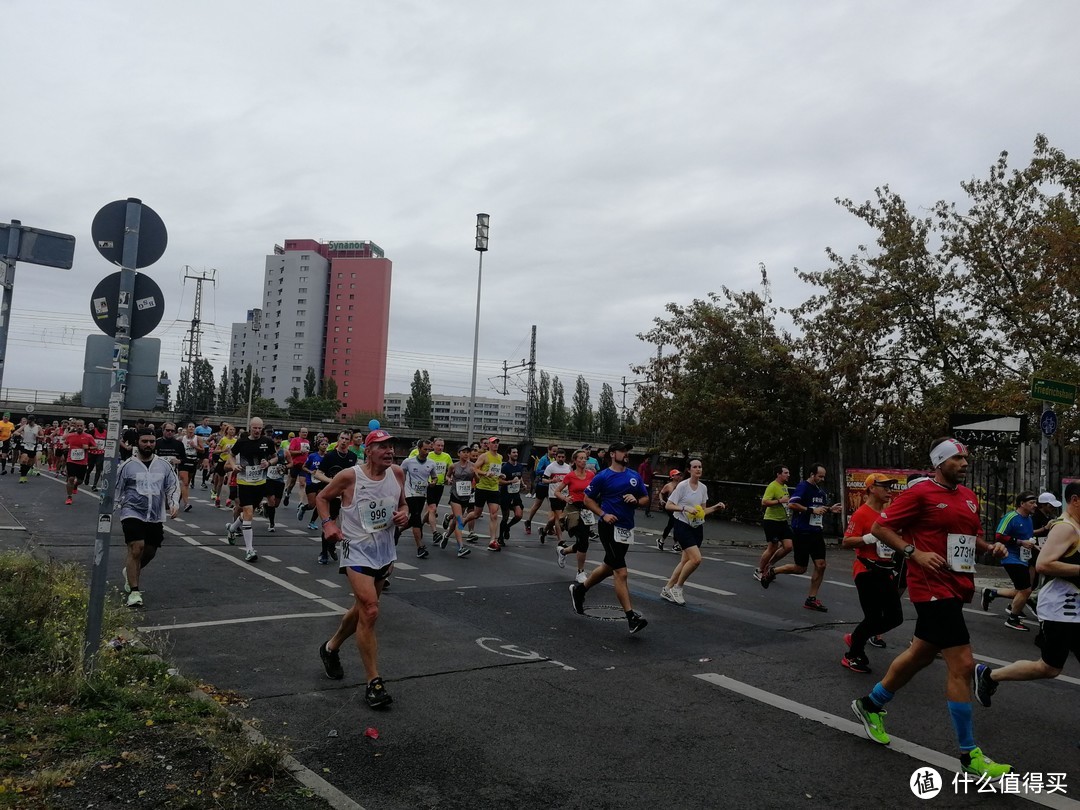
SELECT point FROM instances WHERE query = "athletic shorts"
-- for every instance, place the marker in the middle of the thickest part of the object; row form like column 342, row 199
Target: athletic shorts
column 464, row 503
column 275, row 487
column 511, row 501
column 376, row 574
column 486, row 496
column 5, row 446
column 941, row 623
column 30, row 453
column 150, row 533
column 187, row 466
column 434, row 494
column 807, row 546
column 1058, row 640
column 556, row 504
column 314, row 487
column 540, row 490
column 687, row 535
column 251, row 494
column 78, row 472
column 776, row 531
column 219, row 468
column 1020, row 574
column 416, row 510
column 614, row 553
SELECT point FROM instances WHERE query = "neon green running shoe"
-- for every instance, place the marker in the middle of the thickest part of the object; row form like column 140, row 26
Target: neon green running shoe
column 978, row 763
column 872, row 722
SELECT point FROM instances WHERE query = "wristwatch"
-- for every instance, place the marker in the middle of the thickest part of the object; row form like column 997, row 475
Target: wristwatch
column 327, row 520
column 909, row 550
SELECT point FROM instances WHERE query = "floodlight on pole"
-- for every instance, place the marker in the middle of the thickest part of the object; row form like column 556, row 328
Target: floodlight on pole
column 482, row 223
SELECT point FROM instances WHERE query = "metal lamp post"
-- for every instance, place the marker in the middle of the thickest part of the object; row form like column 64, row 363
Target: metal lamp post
column 256, row 326
column 482, row 221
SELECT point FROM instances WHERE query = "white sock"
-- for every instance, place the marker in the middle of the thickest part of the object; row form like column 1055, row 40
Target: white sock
column 248, row 539
column 235, row 525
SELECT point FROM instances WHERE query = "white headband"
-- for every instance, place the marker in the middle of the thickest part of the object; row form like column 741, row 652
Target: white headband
column 946, row 450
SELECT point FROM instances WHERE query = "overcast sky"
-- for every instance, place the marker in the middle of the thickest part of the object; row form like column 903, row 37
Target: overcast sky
column 629, row 153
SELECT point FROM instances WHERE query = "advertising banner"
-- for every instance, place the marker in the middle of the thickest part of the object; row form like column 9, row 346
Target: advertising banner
column 855, row 482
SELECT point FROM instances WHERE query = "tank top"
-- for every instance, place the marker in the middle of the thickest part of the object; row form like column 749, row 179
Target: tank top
column 1059, row 599
column 367, row 523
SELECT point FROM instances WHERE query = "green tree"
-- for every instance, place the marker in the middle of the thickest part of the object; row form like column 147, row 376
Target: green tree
column 558, row 407
column 955, row 309
column 223, row 401
column 264, row 407
column 311, row 383
column 543, row 403
column 202, row 386
column 581, row 416
column 183, row 390
column 329, row 388
column 69, row 399
column 237, row 392
column 607, row 415
column 418, row 405
column 730, row 387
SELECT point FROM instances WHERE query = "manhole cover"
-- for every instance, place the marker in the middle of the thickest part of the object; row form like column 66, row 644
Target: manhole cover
column 607, row 613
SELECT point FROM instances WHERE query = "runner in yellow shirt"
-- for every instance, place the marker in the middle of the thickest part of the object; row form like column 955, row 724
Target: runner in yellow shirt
column 488, row 467
column 6, row 429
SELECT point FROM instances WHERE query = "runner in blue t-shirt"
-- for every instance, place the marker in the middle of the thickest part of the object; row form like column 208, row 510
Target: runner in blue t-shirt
column 613, row 495
column 540, row 489
column 1015, row 530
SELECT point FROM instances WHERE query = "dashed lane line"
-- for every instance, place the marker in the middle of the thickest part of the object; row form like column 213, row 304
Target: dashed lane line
column 271, row 559
column 218, row 622
column 913, row 750
column 437, row 578
column 295, row 570
column 328, row 583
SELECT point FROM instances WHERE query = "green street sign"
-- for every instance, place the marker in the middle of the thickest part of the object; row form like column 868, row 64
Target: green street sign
column 1053, row 391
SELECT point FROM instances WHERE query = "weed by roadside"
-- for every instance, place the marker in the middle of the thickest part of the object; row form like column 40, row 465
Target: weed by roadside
column 129, row 732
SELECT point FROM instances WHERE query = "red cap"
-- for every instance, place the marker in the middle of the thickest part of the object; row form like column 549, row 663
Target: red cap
column 493, row 439
column 673, row 473
column 375, row 436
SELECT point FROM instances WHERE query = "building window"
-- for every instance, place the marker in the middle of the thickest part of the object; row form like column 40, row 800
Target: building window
column 344, row 383
column 350, row 321
column 294, row 379
column 302, row 279
column 304, row 268
column 350, row 328
column 299, row 334
column 337, row 307
column 352, row 276
column 347, row 340
column 351, row 297
column 297, row 368
column 299, row 323
column 298, row 357
column 352, row 286
column 337, row 328
column 305, row 256
column 300, row 312
column 298, row 345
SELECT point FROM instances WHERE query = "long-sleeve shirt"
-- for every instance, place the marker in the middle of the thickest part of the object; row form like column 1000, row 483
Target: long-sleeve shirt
column 146, row 491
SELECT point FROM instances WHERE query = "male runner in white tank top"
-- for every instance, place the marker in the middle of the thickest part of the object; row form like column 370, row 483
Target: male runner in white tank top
column 372, row 504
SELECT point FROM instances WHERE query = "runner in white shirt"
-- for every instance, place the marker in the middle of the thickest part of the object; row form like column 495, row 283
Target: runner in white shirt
column 688, row 503
column 553, row 476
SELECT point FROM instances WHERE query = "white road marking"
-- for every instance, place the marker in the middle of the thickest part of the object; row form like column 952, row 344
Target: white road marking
column 296, row 570
column 266, row 575
column 207, row 531
column 706, row 588
column 1000, row 663
column 400, row 566
column 171, row 530
column 223, row 540
column 296, row 531
column 913, row 750
column 192, row 526
column 328, row 583
column 218, row 622
column 271, row 559
column 437, row 578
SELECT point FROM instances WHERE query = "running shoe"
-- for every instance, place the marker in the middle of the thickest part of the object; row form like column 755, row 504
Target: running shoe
column 228, row 503
column 186, row 508
column 127, row 585
column 676, row 595
column 877, row 641
column 982, row 685
column 421, row 552
column 665, row 593
column 68, row 501
column 272, row 528
column 313, row 526
column 134, row 599
column 659, row 543
column 856, row 663
column 324, row 558
column 976, row 762
column 217, row 503
column 987, row 598
column 757, row 574
column 768, row 577
column 300, row 511
column 560, row 558
column 231, row 534
column 528, row 527
column 204, row 485
column 577, row 598
column 676, row 548
column 543, row 534
column 376, row 695
column 251, row 556
column 494, row 546
column 446, row 522
column 463, row 551
column 331, row 662
column 847, row 640
column 813, row 603
column 443, row 540
column 285, row 500
column 22, row 479
column 637, row 622
column 581, row 577
column 872, row 721
column 92, row 489
column 1016, row 623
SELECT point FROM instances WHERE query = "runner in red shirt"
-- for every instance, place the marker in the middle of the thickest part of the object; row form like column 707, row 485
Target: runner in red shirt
column 97, row 455
column 942, row 532
column 296, row 454
column 79, row 444
column 876, row 572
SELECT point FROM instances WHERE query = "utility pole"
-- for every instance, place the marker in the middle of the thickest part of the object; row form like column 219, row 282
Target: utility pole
column 530, row 395
column 193, row 341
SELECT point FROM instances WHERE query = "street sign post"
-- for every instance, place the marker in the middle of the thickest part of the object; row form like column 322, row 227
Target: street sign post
column 117, row 238
column 1060, row 393
column 1048, row 422
column 19, row 243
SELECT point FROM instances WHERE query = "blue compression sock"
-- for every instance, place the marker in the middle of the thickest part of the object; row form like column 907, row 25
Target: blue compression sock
column 962, row 722
column 880, row 695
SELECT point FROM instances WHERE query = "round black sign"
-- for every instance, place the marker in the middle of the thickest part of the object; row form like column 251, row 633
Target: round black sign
column 147, row 305
column 110, row 224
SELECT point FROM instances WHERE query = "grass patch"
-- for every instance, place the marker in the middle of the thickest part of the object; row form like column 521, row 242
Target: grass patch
column 129, row 731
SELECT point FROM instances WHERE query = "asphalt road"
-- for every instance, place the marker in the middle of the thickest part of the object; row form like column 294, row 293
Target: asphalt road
column 504, row 697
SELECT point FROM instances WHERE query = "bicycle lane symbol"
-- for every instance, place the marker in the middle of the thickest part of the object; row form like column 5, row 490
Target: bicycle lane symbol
column 514, row 651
